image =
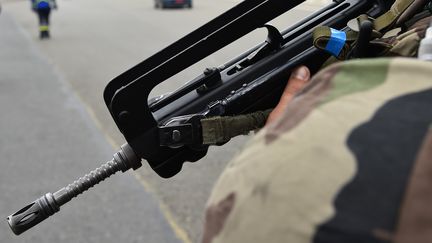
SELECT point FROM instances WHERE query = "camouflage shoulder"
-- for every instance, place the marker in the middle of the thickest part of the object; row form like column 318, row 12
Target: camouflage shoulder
column 321, row 168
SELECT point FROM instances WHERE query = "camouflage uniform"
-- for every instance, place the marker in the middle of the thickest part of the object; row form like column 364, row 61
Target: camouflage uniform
column 349, row 161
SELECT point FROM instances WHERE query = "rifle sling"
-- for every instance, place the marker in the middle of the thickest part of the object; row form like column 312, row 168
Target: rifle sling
column 219, row 130
column 322, row 36
column 390, row 17
column 400, row 11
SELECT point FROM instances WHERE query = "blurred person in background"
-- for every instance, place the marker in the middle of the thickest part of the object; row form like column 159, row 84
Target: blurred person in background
column 43, row 10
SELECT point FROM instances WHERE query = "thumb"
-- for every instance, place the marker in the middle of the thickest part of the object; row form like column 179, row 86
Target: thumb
column 298, row 79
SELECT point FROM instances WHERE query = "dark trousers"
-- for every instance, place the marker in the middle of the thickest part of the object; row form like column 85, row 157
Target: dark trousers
column 44, row 21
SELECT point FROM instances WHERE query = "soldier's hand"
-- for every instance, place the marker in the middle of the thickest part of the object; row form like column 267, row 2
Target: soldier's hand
column 299, row 78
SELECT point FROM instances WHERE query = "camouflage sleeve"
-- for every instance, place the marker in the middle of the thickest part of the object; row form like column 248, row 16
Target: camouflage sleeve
column 349, row 161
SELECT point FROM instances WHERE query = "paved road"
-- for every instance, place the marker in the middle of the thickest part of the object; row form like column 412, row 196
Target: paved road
column 47, row 139
column 93, row 41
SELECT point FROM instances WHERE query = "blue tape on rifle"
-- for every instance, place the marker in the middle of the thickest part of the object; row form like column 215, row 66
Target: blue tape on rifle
column 336, row 42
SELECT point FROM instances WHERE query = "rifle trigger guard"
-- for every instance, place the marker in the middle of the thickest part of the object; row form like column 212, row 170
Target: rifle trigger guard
column 180, row 131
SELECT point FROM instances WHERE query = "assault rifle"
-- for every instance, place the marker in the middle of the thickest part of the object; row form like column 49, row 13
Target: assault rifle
column 166, row 131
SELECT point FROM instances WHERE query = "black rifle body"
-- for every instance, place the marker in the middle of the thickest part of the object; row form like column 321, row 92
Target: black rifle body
column 229, row 90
